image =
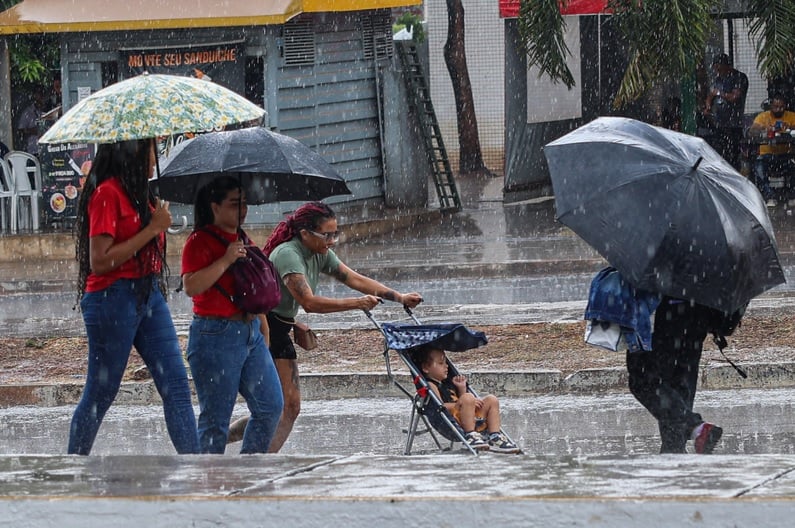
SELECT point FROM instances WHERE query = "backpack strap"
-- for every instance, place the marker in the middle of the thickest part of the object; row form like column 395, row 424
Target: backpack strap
column 225, row 242
column 720, row 340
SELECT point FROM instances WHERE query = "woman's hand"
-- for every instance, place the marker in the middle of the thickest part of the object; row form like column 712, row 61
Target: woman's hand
column 367, row 302
column 410, row 299
column 234, row 251
column 161, row 217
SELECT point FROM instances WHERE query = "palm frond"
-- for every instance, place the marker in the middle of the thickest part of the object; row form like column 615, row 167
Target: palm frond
column 772, row 28
column 663, row 38
column 541, row 28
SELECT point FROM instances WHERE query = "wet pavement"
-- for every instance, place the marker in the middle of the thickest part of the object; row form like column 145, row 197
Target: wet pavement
column 507, row 263
column 589, row 458
column 587, row 461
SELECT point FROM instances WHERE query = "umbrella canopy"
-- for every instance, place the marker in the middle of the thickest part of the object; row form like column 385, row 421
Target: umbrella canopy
column 453, row 337
column 666, row 211
column 272, row 167
column 151, row 105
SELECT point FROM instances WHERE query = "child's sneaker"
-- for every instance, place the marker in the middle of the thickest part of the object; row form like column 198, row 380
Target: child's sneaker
column 706, row 438
column 500, row 444
column 475, row 441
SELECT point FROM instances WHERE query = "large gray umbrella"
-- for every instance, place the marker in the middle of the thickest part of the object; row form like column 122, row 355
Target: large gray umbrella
column 271, row 167
column 666, row 211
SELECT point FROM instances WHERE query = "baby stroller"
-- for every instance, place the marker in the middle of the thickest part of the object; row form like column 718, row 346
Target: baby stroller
column 425, row 404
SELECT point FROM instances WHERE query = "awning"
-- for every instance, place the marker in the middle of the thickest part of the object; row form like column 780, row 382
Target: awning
column 58, row 16
column 333, row 6
column 510, row 8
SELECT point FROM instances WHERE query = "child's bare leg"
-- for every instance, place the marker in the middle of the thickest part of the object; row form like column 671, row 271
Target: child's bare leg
column 466, row 412
column 491, row 412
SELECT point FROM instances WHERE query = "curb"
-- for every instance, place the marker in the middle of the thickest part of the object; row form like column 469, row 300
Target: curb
column 357, row 222
column 376, row 385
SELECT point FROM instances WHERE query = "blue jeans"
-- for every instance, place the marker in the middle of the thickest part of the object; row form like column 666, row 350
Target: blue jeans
column 768, row 165
column 762, row 179
column 227, row 357
column 116, row 321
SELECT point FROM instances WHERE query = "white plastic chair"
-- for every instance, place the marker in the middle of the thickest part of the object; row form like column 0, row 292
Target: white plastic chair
column 26, row 173
column 7, row 222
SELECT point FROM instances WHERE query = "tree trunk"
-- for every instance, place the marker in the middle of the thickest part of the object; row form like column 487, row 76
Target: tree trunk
column 470, row 156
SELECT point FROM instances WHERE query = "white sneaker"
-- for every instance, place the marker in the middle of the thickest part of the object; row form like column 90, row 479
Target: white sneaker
column 475, row 441
column 772, row 203
column 500, row 444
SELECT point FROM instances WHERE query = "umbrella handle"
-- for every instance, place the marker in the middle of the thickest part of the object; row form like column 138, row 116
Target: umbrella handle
column 179, row 229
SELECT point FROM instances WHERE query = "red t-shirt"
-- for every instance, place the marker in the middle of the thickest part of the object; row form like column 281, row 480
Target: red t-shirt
column 110, row 212
column 202, row 249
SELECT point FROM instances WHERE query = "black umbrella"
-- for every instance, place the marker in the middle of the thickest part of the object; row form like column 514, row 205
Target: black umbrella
column 666, row 211
column 271, row 167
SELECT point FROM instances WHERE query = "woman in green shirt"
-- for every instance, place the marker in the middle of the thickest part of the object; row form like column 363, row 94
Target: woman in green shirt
column 301, row 249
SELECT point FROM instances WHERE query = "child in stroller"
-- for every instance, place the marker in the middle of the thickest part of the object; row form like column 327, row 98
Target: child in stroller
column 478, row 417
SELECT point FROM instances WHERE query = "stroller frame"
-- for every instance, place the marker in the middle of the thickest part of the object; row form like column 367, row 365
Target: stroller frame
column 425, row 403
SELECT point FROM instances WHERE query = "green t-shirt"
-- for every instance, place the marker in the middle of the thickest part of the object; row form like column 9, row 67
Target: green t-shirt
column 294, row 257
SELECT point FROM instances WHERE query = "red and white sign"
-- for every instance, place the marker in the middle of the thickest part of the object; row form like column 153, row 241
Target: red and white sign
column 510, row 8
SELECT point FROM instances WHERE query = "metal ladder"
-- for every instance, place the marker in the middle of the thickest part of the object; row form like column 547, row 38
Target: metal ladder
column 420, row 100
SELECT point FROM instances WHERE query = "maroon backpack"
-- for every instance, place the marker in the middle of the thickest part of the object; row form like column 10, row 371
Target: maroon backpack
column 257, row 283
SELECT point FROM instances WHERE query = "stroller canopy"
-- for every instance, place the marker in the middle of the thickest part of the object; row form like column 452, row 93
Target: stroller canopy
column 453, row 337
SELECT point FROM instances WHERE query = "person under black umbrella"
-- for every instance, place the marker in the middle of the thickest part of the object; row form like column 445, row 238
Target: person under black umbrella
column 664, row 379
column 662, row 357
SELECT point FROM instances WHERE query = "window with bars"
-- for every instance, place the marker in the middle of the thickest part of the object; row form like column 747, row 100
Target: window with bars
column 377, row 35
column 298, row 43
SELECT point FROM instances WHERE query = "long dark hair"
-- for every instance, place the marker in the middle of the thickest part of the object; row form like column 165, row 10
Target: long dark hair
column 129, row 161
column 213, row 193
column 308, row 216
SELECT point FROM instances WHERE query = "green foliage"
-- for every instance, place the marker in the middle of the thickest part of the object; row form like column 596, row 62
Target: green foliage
column 773, row 28
column 26, row 66
column 663, row 38
column 32, row 56
column 413, row 23
column 541, row 28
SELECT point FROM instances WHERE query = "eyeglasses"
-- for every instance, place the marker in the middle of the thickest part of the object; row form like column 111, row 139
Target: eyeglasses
column 332, row 236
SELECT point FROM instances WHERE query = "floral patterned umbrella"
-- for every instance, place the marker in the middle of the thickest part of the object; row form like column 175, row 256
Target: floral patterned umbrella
column 151, row 105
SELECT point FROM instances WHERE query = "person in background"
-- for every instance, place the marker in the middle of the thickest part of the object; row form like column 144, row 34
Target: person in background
column 55, row 98
column 120, row 251
column 226, row 349
column 766, row 125
column 725, row 106
column 301, row 249
column 28, row 122
column 784, row 85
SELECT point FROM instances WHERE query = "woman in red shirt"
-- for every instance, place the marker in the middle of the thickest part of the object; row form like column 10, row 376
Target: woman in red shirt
column 226, row 348
column 121, row 291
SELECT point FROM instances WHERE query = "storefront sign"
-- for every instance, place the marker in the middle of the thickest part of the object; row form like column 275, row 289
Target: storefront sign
column 222, row 63
column 64, row 168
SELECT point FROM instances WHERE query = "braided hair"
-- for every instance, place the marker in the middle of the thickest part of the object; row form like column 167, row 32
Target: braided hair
column 308, row 216
column 129, row 161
